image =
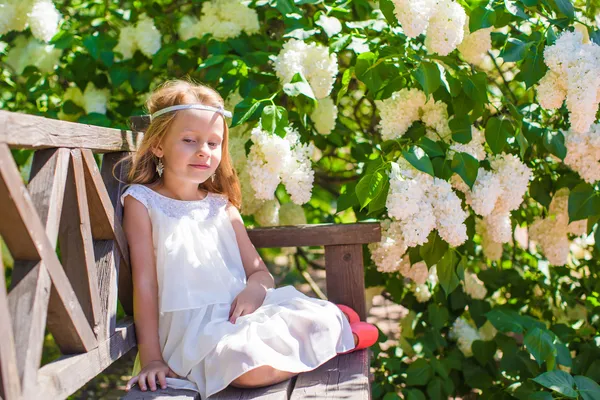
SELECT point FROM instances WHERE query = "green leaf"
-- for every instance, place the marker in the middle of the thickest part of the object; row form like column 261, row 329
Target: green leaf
column 533, row 67
column 163, row 55
column 481, row 18
column 505, row 320
column 554, row 142
column 419, row 373
column 513, row 7
column 432, row 148
column 348, row 198
column 584, row 202
column 558, row 381
column 367, row 71
column 437, row 316
column 435, row 389
column 497, row 131
column 466, row 166
column 434, row 249
column 299, row 86
column 565, row 7
column 475, row 86
column 446, row 271
column 483, row 351
column 369, row 187
column 428, row 76
column 539, row 343
column 378, row 202
column 345, row 82
column 387, row 8
column 588, row 389
column 274, row 120
column 515, row 50
column 418, row 159
column 540, row 190
column 414, row 394
column 461, row 129
column 248, row 112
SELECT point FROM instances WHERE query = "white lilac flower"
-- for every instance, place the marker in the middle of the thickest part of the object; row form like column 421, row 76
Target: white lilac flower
column 331, row 25
column 499, row 226
column 147, row 36
column 449, row 215
column 550, row 91
column 399, row 111
column 583, row 153
column 576, row 66
column 268, row 213
column 43, row 20
column 188, row 27
column 224, row 19
column 387, row 254
column 291, row 214
column 434, row 115
column 514, row 178
column 474, row 287
column 491, row 249
column 32, row 52
column 324, row 116
column 413, row 15
column 250, row 204
column 475, row 46
column 95, row 100
column 422, row 293
column 312, row 60
column 419, row 273
column 464, row 334
column 13, row 15
column 551, row 233
column 445, row 31
column 127, row 44
column 475, row 147
column 299, row 176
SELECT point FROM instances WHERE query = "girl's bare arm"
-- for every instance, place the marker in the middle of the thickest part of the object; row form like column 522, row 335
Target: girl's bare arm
column 138, row 229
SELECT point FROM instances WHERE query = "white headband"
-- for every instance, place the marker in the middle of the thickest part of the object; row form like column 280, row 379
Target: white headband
column 219, row 109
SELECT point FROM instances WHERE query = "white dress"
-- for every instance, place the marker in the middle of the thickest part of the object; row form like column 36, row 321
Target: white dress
column 200, row 272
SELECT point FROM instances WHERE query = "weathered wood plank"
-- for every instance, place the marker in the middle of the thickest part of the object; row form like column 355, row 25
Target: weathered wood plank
column 10, row 384
column 161, row 394
column 280, row 391
column 316, row 235
column 345, row 277
column 71, row 332
column 114, row 186
column 33, row 132
column 64, row 376
column 31, row 285
column 343, row 377
column 77, row 249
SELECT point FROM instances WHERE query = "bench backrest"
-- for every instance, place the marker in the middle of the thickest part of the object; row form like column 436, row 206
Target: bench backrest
column 70, row 201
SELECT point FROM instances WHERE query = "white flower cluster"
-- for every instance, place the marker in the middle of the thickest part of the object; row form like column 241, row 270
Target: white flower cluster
column 314, row 62
column 491, row 249
column 324, row 116
column 32, row 52
column 574, row 75
column 421, row 203
column 291, row 214
column 497, row 192
column 583, row 153
column 387, row 254
column 41, row 16
column 406, row 106
column 475, row 147
column 443, row 19
column 474, row 287
column 143, row 36
column 551, row 232
column 223, row 19
column 417, row 272
column 268, row 213
column 465, row 334
column 92, row 100
column 422, row 291
column 273, row 159
column 475, row 46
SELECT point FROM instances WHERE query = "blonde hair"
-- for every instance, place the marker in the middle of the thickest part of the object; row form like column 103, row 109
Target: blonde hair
column 143, row 162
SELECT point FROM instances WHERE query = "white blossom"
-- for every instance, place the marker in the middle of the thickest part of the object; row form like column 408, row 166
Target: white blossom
column 583, row 153
column 475, row 147
column 474, row 287
column 312, row 60
column 43, row 20
column 324, row 116
column 387, row 254
column 445, row 31
column 550, row 91
column 223, row 19
column 32, row 52
column 464, row 334
column 413, row 15
column 475, row 46
column 434, row 115
column 95, row 100
column 491, row 249
column 331, row 25
column 422, row 293
column 399, row 111
column 147, row 36
column 268, row 213
column 291, row 214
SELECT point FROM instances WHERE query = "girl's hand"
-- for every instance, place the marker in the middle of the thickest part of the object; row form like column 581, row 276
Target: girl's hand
column 247, row 301
column 157, row 369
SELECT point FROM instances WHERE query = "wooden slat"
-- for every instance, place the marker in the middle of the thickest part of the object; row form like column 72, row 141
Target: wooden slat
column 64, row 376
column 71, row 332
column 77, row 249
column 139, row 123
column 161, row 394
column 345, row 277
column 281, row 391
column 31, row 285
column 342, row 377
column 316, row 235
column 32, row 132
column 110, row 243
column 114, row 187
column 10, row 384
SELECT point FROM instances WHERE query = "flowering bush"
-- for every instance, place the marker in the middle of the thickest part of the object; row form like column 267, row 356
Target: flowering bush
column 468, row 128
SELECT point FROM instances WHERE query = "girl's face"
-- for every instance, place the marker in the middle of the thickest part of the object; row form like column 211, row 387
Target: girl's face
column 191, row 149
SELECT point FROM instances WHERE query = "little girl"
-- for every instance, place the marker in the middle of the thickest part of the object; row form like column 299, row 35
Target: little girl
column 206, row 313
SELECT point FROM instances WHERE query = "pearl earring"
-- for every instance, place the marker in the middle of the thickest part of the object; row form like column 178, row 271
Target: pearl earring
column 160, row 167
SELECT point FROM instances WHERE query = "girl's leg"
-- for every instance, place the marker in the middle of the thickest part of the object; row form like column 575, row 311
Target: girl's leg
column 261, row 376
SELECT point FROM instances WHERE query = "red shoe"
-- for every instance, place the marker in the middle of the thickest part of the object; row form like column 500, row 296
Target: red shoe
column 352, row 315
column 366, row 333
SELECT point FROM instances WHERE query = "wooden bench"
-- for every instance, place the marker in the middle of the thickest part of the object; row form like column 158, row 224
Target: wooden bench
column 69, row 200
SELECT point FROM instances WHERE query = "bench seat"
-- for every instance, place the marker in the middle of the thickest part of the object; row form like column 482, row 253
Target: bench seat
column 342, row 377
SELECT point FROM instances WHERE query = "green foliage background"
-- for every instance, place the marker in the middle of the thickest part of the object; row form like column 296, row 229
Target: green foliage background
column 534, row 354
